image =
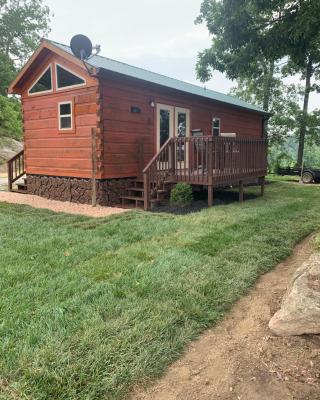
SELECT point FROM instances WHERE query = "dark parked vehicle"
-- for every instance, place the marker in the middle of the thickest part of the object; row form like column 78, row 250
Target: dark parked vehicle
column 309, row 175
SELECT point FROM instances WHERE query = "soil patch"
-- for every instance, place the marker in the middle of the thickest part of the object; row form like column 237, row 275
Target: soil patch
column 240, row 359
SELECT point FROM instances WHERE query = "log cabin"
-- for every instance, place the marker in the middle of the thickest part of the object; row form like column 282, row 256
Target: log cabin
column 118, row 134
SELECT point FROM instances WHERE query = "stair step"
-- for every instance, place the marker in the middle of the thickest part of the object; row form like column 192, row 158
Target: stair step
column 21, row 191
column 136, row 189
column 136, row 198
column 22, row 186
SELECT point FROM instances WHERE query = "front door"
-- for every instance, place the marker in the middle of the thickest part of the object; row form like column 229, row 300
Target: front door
column 182, row 130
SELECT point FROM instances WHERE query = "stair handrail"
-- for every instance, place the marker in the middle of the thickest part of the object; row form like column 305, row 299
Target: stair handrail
column 16, row 168
column 156, row 171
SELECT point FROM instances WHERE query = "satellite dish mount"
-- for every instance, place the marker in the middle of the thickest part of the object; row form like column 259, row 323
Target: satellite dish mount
column 81, row 47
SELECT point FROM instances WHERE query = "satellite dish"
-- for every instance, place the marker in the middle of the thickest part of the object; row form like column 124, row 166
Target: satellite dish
column 81, row 46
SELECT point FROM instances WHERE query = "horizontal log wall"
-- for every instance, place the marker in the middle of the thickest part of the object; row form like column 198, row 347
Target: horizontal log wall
column 123, row 129
column 49, row 151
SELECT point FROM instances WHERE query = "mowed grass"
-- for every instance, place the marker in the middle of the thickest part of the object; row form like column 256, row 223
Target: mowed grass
column 92, row 307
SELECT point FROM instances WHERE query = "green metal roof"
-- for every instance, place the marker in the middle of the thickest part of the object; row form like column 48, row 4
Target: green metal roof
column 108, row 64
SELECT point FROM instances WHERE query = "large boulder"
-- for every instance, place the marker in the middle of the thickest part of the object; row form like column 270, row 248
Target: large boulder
column 300, row 309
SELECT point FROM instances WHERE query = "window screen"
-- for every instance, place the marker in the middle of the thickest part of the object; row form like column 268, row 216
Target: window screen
column 43, row 84
column 67, row 79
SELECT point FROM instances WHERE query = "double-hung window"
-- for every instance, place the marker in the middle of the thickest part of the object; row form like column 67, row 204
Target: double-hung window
column 65, row 111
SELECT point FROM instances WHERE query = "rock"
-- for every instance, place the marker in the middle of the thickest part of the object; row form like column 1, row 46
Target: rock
column 300, row 309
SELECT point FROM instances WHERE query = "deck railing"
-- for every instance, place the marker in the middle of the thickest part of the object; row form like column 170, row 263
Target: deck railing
column 205, row 160
column 15, row 168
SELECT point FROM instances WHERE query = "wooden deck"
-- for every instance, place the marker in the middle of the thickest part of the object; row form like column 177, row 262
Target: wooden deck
column 206, row 161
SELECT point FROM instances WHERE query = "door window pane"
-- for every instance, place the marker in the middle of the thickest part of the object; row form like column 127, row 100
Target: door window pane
column 181, row 133
column 182, row 124
column 216, row 127
column 164, row 126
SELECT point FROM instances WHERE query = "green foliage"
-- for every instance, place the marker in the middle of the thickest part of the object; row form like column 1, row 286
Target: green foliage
column 181, row 194
column 284, row 105
column 250, row 36
column 22, row 24
column 93, row 307
column 10, row 118
column 7, row 73
column 280, row 157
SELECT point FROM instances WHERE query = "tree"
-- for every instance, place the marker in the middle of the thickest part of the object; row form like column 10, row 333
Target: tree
column 284, row 104
column 250, row 36
column 297, row 36
column 10, row 118
column 7, row 73
column 235, row 26
column 22, row 23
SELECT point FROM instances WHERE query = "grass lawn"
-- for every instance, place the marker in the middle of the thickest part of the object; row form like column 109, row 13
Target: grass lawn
column 91, row 307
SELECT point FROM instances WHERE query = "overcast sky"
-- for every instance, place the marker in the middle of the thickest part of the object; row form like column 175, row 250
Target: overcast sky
column 159, row 35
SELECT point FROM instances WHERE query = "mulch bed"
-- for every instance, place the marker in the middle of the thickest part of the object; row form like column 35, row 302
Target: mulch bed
column 221, row 197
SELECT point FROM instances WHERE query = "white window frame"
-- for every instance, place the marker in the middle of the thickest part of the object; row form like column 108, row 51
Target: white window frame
column 38, row 78
column 66, row 115
column 212, row 128
column 71, row 72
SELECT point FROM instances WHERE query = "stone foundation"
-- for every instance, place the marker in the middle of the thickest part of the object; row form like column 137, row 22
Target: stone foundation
column 77, row 190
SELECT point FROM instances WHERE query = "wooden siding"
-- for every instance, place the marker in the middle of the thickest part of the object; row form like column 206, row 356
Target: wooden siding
column 49, row 151
column 123, row 129
column 105, row 104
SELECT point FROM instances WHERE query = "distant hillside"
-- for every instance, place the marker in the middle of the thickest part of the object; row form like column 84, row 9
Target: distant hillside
column 8, row 148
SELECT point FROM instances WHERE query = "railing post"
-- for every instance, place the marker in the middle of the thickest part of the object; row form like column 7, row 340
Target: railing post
column 141, row 157
column 146, row 187
column 173, row 156
column 210, row 160
column 9, row 168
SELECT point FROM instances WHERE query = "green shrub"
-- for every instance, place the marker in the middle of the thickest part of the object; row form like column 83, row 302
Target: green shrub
column 181, row 195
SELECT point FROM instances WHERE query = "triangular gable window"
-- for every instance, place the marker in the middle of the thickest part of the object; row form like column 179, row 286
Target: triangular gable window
column 66, row 79
column 43, row 84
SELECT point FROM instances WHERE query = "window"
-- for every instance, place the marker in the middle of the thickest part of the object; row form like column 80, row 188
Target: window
column 67, row 79
column 215, row 126
column 65, row 116
column 44, row 83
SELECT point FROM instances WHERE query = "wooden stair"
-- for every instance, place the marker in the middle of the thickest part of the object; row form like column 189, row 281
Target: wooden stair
column 134, row 196
column 21, row 187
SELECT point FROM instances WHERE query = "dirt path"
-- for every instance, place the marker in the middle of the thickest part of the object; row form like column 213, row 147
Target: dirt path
column 240, row 359
column 59, row 206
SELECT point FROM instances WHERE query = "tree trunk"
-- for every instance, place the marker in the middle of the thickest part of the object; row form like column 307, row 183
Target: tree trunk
column 267, row 91
column 303, row 124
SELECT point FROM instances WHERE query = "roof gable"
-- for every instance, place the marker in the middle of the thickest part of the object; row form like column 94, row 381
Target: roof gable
column 36, row 61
